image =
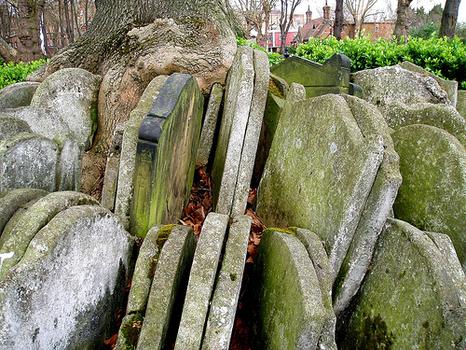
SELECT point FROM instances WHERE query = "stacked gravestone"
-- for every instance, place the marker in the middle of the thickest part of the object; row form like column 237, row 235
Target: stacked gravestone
column 17, row 95
column 64, row 263
column 166, row 154
column 414, row 295
column 461, row 103
column 245, row 99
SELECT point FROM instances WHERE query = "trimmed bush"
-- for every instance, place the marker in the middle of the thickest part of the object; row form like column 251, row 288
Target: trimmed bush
column 11, row 73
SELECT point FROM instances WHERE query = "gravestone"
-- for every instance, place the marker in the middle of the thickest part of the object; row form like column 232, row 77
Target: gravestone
column 442, row 116
column 432, row 196
column 34, row 219
column 236, row 110
column 413, row 297
column 28, row 161
column 129, row 143
column 166, row 154
column 17, row 95
column 9, row 127
column 319, row 173
column 461, row 104
column 65, row 290
column 209, row 125
column 71, row 93
column 201, row 282
column 13, row 200
column 290, row 314
column 111, row 170
column 376, row 209
column 227, row 287
column 450, row 86
column 69, row 167
column 168, row 286
column 332, row 77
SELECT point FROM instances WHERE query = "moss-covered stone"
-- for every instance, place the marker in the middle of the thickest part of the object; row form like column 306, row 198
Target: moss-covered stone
column 319, row 172
column 461, row 103
column 412, row 298
column 11, row 126
column 17, row 95
column 291, row 313
column 166, row 154
column 433, row 194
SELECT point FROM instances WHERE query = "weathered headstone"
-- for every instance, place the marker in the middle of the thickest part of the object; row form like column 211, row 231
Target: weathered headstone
column 71, row 93
column 35, row 218
column 64, row 292
column 461, row 103
column 28, row 161
column 413, row 297
column 227, row 287
column 69, row 167
column 129, row 143
column 111, row 170
column 319, row 172
column 166, row 154
column 13, row 200
column 237, row 106
column 376, row 209
column 17, row 95
column 209, row 125
column 9, row 127
column 167, row 289
column 433, row 194
column 450, row 86
column 332, row 77
column 385, row 85
column 442, row 116
column 251, row 137
column 201, row 282
column 291, row 314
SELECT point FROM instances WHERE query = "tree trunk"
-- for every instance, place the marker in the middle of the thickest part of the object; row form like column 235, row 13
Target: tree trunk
column 338, row 25
column 7, row 52
column 28, row 29
column 130, row 42
column 401, row 25
column 69, row 30
column 449, row 18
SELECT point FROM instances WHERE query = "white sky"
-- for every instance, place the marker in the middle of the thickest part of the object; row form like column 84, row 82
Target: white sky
column 316, row 6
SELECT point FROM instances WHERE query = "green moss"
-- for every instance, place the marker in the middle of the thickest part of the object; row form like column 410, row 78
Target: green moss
column 130, row 331
column 163, row 234
column 288, row 231
column 274, row 89
column 372, row 335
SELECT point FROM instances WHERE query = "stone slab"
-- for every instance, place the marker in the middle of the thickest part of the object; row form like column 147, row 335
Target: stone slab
column 9, row 127
column 111, row 169
column 251, row 137
column 319, row 173
column 17, row 95
column 291, row 313
column 461, row 104
column 40, row 304
column 28, row 161
column 237, row 107
column 323, row 270
column 201, row 282
column 376, row 209
column 224, row 303
column 432, row 196
column 442, row 116
column 410, row 298
column 71, row 93
column 13, row 200
column 166, row 154
column 69, row 167
column 34, row 219
column 129, row 143
column 450, row 86
column 209, row 125
column 168, row 286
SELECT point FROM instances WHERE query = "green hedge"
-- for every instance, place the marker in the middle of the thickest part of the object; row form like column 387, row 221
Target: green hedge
column 11, row 73
column 444, row 57
column 274, row 57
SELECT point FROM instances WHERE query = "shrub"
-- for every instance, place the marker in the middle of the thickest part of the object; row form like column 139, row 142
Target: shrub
column 11, row 73
column 274, row 57
column 441, row 56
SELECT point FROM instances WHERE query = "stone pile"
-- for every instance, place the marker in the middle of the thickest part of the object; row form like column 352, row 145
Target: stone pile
column 64, row 263
column 44, row 128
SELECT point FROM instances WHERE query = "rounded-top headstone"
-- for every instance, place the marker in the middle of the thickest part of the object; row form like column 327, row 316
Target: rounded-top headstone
column 17, row 95
column 10, row 126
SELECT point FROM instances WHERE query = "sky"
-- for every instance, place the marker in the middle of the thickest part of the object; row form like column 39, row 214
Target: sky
column 316, row 6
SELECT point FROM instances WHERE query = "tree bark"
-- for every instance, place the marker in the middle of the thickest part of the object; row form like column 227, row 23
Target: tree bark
column 28, row 29
column 7, row 52
column 338, row 25
column 401, row 25
column 449, row 18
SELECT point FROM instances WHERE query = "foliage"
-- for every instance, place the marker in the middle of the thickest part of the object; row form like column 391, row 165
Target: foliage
column 274, row 57
column 11, row 73
column 441, row 56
